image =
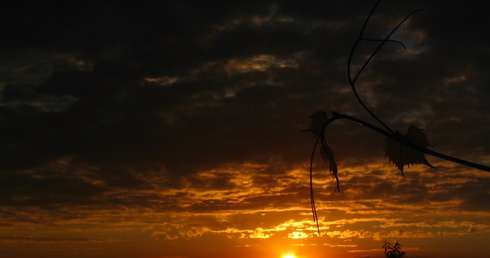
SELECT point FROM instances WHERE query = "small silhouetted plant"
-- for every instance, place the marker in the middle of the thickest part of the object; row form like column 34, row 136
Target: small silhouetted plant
column 393, row 252
column 401, row 150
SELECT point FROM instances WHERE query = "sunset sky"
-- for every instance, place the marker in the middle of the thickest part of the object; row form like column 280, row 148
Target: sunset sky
column 175, row 129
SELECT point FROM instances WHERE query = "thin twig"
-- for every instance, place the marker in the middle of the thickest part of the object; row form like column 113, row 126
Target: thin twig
column 352, row 81
column 312, row 196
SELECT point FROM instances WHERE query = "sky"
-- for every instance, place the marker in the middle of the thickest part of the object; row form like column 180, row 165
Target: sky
column 175, row 129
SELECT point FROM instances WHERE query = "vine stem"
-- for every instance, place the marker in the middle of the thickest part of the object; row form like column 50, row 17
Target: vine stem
column 408, row 143
column 312, row 196
column 352, row 81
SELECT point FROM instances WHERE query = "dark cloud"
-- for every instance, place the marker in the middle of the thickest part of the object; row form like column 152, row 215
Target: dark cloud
column 107, row 114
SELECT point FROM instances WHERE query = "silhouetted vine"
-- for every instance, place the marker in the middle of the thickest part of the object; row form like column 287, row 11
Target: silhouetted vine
column 402, row 150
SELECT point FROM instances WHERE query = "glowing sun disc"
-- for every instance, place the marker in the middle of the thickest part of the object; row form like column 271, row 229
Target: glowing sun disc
column 288, row 256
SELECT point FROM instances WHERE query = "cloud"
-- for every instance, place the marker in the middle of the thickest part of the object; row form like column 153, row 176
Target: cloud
column 49, row 240
column 183, row 120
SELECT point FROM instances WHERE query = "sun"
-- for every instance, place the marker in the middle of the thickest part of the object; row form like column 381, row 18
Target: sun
column 289, row 256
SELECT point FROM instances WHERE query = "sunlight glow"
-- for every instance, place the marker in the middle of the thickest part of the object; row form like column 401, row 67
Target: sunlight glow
column 289, row 256
column 298, row 235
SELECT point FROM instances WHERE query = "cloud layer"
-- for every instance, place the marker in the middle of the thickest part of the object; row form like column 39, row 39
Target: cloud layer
column 161, row 123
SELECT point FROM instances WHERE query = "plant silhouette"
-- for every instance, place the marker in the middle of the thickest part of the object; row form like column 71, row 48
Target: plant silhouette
column 401, row 150
column 393, row 252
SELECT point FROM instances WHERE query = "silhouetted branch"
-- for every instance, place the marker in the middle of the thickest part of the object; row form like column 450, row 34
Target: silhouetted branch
column 312, row 196
column 402, row 150
column 405, row 141
column 352, row 81
column 390, row 41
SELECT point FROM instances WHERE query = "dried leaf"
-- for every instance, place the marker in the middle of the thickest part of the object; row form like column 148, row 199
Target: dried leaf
column 318, row 122
column 402, row 155
column 327, row 155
